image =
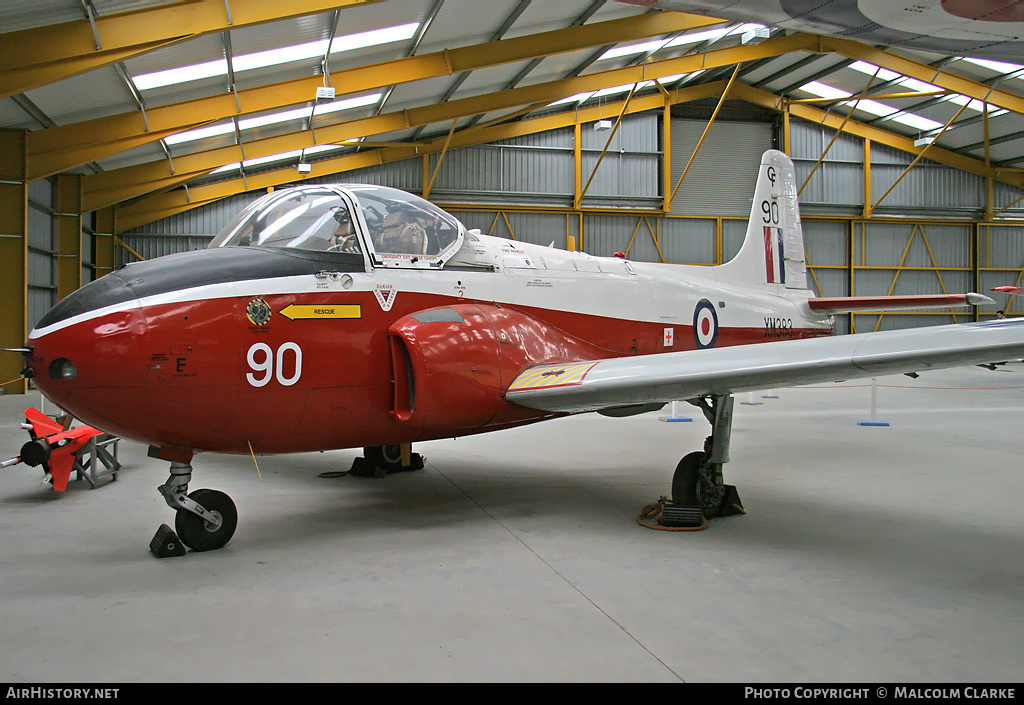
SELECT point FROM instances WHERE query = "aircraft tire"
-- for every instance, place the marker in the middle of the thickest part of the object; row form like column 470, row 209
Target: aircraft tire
column 387, row 457
column 195, row 533
column 686, row 486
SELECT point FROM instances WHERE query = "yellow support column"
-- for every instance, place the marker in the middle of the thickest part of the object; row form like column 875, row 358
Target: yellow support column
column 577, row 166
column 13, row 254
column 104, row 241
column 866, row 211
column 69, row 234
column 786, row 129
column 666, row 156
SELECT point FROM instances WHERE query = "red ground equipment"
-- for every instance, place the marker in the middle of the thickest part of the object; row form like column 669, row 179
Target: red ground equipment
column 53, row 446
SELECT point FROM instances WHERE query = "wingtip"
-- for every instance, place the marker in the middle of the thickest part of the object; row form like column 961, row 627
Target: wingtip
column 975, row 299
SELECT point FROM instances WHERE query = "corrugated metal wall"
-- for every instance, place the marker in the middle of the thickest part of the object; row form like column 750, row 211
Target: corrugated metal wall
column 721, row 179
column 42, row 249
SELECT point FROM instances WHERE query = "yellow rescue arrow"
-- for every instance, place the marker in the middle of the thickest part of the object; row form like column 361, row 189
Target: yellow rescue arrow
column 297, row 311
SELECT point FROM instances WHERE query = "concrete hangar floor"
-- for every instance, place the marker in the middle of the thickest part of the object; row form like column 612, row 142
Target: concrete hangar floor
column 867, row 554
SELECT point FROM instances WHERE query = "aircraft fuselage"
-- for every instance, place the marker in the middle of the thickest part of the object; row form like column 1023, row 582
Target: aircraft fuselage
column 218, row 349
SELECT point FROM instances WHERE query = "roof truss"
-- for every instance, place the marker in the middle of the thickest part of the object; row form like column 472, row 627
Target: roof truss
column 145, row 192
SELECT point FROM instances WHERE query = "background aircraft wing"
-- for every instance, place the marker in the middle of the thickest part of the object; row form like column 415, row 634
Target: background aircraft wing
column 645, row 379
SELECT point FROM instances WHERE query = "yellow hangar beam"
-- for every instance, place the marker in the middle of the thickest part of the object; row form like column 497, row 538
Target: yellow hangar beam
column 169, row 202
column 156, row 206
column 924, row 72
column 66, row 147
column 119, row 185
column 876, row 134
column 35, row 57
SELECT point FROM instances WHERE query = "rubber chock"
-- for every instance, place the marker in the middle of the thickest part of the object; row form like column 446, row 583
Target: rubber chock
column 364, row 467
column 731, row 503
column 166, row 543
column 678, row 515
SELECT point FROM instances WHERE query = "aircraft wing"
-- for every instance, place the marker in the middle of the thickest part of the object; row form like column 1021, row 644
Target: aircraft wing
column 645, row 379
column 1013, row 290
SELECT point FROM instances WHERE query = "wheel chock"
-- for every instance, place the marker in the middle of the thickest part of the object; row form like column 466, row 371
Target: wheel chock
column 678, row 515
column 364, row 467
column 166, row 543
column 731, row 503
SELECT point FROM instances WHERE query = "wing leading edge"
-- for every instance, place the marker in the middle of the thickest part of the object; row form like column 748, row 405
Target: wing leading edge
column 665, row 377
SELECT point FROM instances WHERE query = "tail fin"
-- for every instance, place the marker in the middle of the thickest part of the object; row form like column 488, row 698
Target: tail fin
column 772, row 254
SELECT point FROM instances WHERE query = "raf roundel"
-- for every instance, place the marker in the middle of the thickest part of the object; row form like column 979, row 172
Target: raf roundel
column 705, row 325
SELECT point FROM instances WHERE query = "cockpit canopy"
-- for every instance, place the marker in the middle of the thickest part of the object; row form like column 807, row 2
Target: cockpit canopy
column 395, row 227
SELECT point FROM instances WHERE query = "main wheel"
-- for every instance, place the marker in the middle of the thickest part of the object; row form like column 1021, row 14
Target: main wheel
column 199, row 535
column 690, row 489
column 388, row 457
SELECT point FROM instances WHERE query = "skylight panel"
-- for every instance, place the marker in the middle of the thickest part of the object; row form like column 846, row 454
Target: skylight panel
column 612, row 90
column 998, row 66
column 572, row 99
column 347, row 104
column 183, row 74
column 633, row 49
column 275, row 57
column 869, row 69
column 710, row 35
column 200, row 133
column 823, row 90
column 282, row 156
column 374, row 37
column 872, row 106
column 309, row 50
column 273, row 118
column 698, row 37
column 977, row 105
column 917, row 121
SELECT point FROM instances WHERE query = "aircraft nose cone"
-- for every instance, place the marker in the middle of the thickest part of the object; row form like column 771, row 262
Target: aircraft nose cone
column 89, row 347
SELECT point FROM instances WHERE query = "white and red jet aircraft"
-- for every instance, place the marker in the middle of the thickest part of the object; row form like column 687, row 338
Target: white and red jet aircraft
column 327, row 317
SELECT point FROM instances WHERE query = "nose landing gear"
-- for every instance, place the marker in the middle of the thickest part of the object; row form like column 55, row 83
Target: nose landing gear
column 205, row 519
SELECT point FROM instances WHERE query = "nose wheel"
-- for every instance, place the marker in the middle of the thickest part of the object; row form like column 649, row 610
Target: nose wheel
column 205, row 519
column 206, row 534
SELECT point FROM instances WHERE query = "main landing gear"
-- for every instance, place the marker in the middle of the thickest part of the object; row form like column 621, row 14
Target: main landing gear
column 205, row 519
column 378, row 461
column 698, row 480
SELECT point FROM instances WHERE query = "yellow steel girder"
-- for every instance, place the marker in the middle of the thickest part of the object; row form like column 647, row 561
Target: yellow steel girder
column 34, row 57
column 119, row 185
column 154, row 207
column 923, row 72
column 877, row 134
column 66, row 147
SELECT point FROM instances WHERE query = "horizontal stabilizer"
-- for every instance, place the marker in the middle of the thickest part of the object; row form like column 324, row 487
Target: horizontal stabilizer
column 1013, row 290
column 845, row 304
